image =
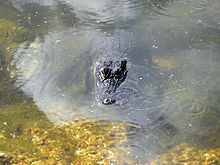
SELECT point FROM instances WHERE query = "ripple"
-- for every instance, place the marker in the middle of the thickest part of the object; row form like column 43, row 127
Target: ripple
column 161, row 7
column 128, row 96
column 198, row 111
column 191, row 103
column 105, row 14
column 198, row 7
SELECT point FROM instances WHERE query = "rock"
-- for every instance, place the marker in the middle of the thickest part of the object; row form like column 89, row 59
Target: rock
column 5, row 159
column 37, row 140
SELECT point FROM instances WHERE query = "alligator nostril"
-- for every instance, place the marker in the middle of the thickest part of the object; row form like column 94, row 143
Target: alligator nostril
column 108, row 101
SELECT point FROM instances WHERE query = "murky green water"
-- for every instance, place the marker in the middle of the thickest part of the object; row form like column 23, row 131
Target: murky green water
column 48, row 108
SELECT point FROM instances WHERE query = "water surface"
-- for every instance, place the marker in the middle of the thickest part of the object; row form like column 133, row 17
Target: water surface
column 53, row 66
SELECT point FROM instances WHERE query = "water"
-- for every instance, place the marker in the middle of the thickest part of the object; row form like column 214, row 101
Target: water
column 53, row 47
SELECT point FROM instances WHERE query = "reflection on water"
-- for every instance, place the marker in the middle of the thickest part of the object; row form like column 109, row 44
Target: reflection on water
column 49, row 50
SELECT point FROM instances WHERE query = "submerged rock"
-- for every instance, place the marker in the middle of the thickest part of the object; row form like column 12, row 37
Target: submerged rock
column 5, row 159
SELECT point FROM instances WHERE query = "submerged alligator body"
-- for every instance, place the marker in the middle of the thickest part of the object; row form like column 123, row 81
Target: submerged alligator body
column 124, row 79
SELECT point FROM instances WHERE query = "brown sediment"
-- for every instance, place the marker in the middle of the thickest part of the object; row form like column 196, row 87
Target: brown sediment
column 184, row 154
column 75, row 143
column 164, row 64
column 27, row 137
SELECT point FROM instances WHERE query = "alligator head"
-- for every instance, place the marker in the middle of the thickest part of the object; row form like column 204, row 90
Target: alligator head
column 110, row 75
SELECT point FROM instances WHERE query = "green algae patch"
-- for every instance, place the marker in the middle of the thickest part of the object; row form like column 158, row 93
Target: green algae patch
column 11, row 38
column 11, row 33
column 36, row 19
column 14, row 119
column 33, row 17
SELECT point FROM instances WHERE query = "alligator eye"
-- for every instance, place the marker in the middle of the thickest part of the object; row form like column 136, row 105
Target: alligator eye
column 123, row 64
column 102, row 71
column 108, row 101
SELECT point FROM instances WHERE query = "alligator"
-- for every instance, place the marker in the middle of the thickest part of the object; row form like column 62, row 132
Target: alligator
column 123, row 80
column 123, row 70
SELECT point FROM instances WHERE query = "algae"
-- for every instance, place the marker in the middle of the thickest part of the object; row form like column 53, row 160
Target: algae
column 34, row 18
column 14, row 119
column 10, row 32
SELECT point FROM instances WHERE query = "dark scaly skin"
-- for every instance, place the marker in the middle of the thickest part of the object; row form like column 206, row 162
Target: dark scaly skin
column 122, row 68
column 111, row 75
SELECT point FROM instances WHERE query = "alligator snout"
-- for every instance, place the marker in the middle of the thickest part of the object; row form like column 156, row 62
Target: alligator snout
column 108, row 101
column 109, row 77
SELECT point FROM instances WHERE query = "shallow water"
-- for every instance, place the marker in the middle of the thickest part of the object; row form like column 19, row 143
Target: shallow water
column 50, row 50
